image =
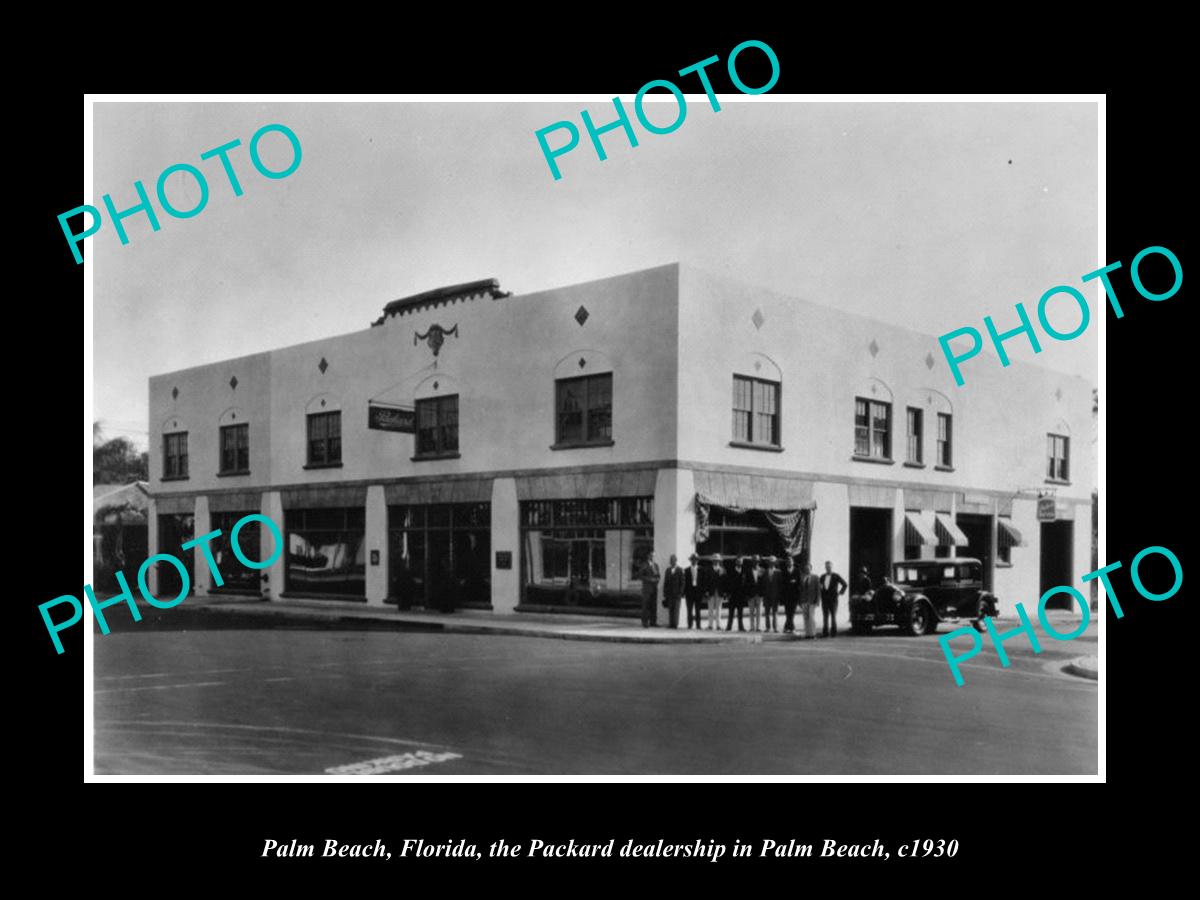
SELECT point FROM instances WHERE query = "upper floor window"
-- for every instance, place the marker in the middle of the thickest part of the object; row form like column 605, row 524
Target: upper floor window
column 437, row 426
column 175, row 455
column 755, row 411
column 1057, row 461
column 325, row 439
column 235, row 449
column 916, row 425
column 945, row 447
column 872, row 428
column 584, row 410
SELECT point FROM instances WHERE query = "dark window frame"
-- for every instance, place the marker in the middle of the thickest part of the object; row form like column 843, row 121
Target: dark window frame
column 872, row 431
column 175, row 462
column 945, row 445
column 240, row 449
column 753, row 413
column 445, row 443
column 330, row 444
column 1058, row 468
column 587, row 412
column 918, row 433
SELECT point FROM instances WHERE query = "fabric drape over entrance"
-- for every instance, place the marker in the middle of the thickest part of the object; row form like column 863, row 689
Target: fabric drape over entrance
column 785, row 504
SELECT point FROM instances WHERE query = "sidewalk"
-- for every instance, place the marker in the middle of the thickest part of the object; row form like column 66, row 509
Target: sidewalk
column 564, row 627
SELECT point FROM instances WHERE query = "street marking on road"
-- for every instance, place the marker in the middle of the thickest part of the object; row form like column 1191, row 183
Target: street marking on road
column 849, row 672
column 159, row 687
column 393, row 763
column 282, row 678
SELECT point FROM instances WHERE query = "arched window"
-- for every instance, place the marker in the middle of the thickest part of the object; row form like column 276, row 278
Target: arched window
column 234, row 442
column 583, row 400
column 436, row 404
column 757, row 419
column 174, row 449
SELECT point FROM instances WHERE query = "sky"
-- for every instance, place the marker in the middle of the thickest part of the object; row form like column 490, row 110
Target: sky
column 925, row 215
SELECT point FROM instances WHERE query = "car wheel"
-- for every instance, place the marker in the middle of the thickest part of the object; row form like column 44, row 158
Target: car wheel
column 857, row 626
column 919, row 620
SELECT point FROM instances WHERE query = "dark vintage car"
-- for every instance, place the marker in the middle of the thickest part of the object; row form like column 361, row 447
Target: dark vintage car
column 924, row 592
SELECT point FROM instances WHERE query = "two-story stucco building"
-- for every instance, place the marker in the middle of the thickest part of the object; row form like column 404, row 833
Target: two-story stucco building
column 525, row 452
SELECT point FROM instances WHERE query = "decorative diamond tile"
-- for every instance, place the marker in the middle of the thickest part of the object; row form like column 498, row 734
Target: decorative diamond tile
column 174, row 393
column 929, row 360
column 758, row 318
column 233, row 416
column 873, row 347
column 582, row 362
column 323, row 365
column 435, row 385
column 581, row 315
column 757, row 366
column 233, row 382
column 1058, row 394
column 322, row 402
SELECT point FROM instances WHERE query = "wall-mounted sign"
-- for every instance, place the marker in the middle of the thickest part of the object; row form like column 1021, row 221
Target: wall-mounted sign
column 391, row 418
column 503, row 559
column 374, row 557
column 1047, row 509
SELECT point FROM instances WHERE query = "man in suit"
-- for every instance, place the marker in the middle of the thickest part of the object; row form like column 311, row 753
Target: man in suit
column 832, row 587
column 650, row 575
column 752, row 582
column 712, row 586
column 673, row 584
column 693, row 591
column 790, row 589
column 772, row 584
column 810, row 595
column 735, row 590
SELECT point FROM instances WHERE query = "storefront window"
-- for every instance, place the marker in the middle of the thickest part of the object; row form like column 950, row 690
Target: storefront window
column 585, row 553
column 325, row 552
column 439, row 555
column 238, row 578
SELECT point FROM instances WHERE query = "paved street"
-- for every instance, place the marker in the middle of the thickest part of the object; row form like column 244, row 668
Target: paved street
column 237, row 700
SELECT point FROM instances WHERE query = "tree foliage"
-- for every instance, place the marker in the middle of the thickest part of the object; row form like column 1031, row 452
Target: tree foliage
column 117, row 460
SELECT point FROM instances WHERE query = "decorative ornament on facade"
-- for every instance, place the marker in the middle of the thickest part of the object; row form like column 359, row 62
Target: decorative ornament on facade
column 435, row 337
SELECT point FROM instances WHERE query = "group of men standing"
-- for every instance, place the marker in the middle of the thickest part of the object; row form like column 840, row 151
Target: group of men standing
column 756, row 583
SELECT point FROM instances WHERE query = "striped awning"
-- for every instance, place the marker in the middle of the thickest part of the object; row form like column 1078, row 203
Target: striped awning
column 1007, row 535
column 948, row 532
column 459, row 490
column 919, row 530
column 763, row 492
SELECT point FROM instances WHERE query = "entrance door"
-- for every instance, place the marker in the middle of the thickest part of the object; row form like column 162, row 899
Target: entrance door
column 443, row 588
column 978, row 529
column 174, row 530
column 1056, row 568
column 870, row 542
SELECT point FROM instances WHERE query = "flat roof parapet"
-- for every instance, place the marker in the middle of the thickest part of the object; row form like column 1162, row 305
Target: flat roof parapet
column 443, row 296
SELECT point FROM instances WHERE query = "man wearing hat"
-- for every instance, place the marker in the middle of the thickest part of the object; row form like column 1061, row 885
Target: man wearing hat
column 692, row 591
column 790, row 589
column 735, row 590
column 650, row 575
column 753, row 584
column 712, row 584
column 772, row 584
column 673, row 583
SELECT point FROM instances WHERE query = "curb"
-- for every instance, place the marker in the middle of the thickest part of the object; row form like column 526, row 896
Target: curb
column 1084, row 667
column 336, row 620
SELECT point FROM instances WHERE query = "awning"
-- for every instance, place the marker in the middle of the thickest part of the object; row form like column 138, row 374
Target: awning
column 236, row 501
column 948, row 532
column 763, row 492
column 919, row 530
column 173, row 504
column 587, row 485
column 419, row 493
column 1007, row 535
column 324, row 496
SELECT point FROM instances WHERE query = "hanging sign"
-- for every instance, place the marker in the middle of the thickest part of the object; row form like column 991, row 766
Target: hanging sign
column 391, row 418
